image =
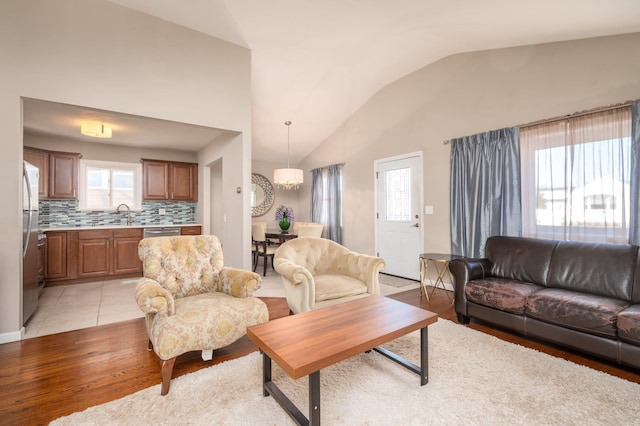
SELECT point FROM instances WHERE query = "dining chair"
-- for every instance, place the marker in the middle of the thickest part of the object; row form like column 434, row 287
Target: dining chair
column 310, row 230
column 262, row 247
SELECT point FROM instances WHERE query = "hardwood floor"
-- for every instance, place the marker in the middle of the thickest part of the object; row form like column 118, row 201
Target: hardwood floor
column 47, row 377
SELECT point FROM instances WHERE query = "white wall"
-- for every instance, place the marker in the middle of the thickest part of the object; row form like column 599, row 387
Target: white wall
column 462, row 95
column 234, row 232
column 96, row 54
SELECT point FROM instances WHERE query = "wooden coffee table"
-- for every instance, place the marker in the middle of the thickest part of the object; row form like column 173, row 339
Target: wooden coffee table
column 304, row 344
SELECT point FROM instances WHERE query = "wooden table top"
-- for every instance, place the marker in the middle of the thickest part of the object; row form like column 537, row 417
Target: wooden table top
column 308, row 342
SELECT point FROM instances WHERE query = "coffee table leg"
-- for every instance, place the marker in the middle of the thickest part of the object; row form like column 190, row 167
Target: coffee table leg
column 314, row 398
column 424, row 356
column 266, row 373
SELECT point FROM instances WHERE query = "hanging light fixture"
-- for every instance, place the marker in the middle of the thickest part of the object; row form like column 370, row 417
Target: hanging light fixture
column 288, row 178
column 95, row 130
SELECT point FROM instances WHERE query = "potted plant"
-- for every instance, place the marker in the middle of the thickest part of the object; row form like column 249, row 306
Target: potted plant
column 284, row 217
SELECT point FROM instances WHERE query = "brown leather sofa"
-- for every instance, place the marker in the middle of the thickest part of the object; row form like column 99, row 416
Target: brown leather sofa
column 585, row 296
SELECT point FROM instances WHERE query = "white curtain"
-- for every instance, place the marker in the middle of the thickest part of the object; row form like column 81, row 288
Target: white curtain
column 575, row 177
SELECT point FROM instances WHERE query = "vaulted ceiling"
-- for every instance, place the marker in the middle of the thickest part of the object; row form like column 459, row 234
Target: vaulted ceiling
column 316, row 62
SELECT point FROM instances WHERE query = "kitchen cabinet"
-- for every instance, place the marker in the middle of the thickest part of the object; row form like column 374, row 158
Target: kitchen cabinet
column 191, row 230
column 167, row 180
column 40, row 159
column 58, row 177
column 93, row 253
column 55, row 266
column 63, row 175
column 83, row 255
column 125, row 251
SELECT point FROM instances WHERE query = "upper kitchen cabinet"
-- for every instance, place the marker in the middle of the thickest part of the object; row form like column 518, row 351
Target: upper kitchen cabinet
column 167, row 180
column 58, row 172
column 40, row 159
column 63, row 175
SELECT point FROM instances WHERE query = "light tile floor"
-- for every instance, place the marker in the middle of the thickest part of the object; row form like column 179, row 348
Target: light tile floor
column 76, row 306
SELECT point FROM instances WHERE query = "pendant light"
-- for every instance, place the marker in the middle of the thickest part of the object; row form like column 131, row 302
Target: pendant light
column 288, row 178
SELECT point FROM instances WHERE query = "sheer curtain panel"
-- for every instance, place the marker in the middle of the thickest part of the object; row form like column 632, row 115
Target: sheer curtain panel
column 576, row 177
column 634, row 185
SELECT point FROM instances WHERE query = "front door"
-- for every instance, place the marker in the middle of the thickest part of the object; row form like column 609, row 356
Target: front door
column 399, row 236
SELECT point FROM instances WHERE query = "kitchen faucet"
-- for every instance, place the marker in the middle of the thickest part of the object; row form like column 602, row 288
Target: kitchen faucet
column 129, row 222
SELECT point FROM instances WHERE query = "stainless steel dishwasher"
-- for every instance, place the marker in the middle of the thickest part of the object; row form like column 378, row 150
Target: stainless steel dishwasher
column 161, row 231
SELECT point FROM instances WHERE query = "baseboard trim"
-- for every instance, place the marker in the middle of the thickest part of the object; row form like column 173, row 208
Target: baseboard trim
column 14, row 336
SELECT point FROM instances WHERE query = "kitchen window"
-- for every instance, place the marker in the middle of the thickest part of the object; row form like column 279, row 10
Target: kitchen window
column 105, row 184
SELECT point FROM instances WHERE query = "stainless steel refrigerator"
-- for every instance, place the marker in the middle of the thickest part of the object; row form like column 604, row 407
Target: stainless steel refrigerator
column 30, row 279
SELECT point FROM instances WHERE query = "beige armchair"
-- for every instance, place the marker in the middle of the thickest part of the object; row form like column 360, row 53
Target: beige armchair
column 191, row 302
column 318, row 272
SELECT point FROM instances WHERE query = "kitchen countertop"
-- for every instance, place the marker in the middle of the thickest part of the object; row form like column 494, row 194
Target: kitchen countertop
column 135, row 225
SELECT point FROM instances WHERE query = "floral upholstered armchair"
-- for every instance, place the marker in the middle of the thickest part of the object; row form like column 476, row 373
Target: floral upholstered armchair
column 192, row 302
column 318, row 272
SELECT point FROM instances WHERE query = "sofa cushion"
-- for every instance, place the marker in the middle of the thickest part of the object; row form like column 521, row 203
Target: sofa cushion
column 333, row 286
column 499, row 293
column 584, row 312
column 596, row 268
column 629, row 324
column 522, row 259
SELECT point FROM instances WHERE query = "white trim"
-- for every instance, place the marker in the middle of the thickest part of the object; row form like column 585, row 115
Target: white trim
column 14, row 336
column 136, row 167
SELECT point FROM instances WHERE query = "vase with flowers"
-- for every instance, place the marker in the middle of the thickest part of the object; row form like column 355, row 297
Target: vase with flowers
column 284, row 217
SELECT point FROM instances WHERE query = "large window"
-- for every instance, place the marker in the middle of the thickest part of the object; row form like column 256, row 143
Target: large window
column 104, row 185
column 575, row 177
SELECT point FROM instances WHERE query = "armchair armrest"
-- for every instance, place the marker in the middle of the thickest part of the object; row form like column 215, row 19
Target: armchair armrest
column 238, row 282
column 152, row 297
column 364, row 268
column 299, row 285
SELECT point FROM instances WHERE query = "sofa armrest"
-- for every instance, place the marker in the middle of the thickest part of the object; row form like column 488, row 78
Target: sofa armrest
column 238, row 282
column 463, row 271
column 298, row 283
column 152, row 297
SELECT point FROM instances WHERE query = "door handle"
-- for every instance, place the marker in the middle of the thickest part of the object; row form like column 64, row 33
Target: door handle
column 415, row 225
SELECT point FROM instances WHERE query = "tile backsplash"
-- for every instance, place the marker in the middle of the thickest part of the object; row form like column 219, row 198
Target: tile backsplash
column 65, row 214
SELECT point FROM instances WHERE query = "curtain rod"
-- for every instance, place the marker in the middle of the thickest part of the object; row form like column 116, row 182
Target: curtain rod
column 334, row 164
column 564, row 117
column 577, row 114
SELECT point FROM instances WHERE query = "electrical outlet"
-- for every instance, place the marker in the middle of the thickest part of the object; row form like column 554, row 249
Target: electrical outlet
column 162, row 211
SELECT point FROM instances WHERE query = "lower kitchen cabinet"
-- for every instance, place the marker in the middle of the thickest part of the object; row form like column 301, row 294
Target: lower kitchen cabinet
column 125, row 251
column 55, row 265
column 191, row 230
column 93, row 253
column 80, row 256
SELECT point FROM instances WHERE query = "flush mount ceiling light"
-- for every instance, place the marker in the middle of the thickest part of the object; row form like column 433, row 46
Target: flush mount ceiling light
column 288, row 178
column 95, row 130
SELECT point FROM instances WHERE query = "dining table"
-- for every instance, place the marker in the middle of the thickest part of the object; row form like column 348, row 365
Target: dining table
column 279, row 235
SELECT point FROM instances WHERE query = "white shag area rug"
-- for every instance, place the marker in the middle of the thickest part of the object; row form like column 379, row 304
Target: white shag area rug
column 474, row 379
